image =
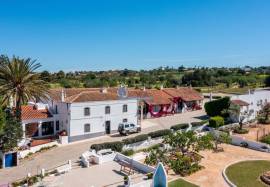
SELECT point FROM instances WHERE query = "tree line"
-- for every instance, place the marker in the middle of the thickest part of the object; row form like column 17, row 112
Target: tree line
column 168, row 77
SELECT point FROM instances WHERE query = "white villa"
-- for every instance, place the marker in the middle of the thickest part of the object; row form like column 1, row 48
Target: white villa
column 251, row 103
column 82, row 113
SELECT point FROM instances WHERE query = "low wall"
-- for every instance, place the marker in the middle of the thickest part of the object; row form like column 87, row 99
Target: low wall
column 143, row 144
column 236, row 140
column 138, row 165
column 24, row 153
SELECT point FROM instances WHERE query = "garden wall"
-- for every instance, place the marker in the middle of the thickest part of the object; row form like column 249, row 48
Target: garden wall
column 143, row 144
column 34, row 149
column 236, row 140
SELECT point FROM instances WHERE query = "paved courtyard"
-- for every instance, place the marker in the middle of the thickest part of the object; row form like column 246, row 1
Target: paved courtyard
column 62, row 154
column 214, row 163
column 108, row 174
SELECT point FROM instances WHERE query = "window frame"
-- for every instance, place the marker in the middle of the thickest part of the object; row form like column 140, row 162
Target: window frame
column 85, row 125
column 57, row 124
column 107, row 109
column 84, row 111
column 125, row 108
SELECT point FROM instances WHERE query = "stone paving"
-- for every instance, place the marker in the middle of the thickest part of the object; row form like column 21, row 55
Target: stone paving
column 214, row 163
column 60, row 155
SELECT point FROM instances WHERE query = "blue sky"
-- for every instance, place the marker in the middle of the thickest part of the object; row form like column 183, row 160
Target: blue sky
column 136, row 34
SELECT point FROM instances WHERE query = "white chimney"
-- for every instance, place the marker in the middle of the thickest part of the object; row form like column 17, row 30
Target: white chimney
column 104, row 90
column 211, row 97
column 62, row 95
column 144, row 88
column 161, row 87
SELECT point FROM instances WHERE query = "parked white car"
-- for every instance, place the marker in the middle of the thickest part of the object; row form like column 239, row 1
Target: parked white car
column 127, row 128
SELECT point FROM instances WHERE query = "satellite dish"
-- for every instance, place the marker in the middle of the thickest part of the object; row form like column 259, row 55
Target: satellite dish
column 122, row 92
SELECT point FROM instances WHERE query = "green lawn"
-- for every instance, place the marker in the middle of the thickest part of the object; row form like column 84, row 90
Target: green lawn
column 247, row 173
column 181, row 183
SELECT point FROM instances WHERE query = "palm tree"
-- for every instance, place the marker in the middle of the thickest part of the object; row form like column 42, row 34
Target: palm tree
column 20, row 83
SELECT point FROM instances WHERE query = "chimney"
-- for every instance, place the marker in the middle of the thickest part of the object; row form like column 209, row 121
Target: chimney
column 177, row 87
column 161, row 87
column 35, row 107
column 62, row 95
column 104, row 90
column 211, row 97
column 143, row 88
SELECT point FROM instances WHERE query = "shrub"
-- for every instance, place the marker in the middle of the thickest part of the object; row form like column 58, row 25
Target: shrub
column 135, row 139
column 159, row 133
column 179, row 126
column 240, row 131
column 128, row 152
column 216, row 121
column 199, row 123
column 215, row 108
column 266, row 139
column 149, row 175
column 115, row 146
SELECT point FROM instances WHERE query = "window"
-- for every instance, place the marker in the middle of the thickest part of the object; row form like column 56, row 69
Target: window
column 56, row 109
column 125, row 108
column 132, row 125
column 57, row 126
column 107, row 110
column 87, row 111
column 125, row 120
column 86, row 128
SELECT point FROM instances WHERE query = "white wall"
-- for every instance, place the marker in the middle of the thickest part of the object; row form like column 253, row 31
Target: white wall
column 98, row 117
column 255, row 100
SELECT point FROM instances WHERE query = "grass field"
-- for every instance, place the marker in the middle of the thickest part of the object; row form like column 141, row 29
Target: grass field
column 181, row 183
column 247, row 173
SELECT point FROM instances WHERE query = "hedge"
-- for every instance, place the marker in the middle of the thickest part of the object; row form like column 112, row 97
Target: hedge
column 216, row 121
column 115, row 146
column 266, row 139
column 135, row 139
column 215, row 108
column 179, row 126
column 159, row 133
column 199, row 123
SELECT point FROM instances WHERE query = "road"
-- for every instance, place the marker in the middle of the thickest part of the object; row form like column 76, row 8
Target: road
column 60, row 155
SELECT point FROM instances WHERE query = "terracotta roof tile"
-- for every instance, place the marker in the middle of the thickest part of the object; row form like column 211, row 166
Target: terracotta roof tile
column 239, row 102
column 159, row 97
column 92, row 96
column 187, row 94
column 29, row 112
column 151, row 96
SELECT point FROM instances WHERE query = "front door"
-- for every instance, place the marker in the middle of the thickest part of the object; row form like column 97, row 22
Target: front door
column 47, row 128
column 108, row 127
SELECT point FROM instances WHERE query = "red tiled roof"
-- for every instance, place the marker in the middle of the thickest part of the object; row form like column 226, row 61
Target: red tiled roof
column 187, row 94
column 158, row 97
column 151, row 96
column 239, row 102
column 29, row 112
column 92, row 96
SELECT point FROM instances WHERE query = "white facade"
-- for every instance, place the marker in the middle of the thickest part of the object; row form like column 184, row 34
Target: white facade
column 256, row 101
column 71, row 117
column 100, row 122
